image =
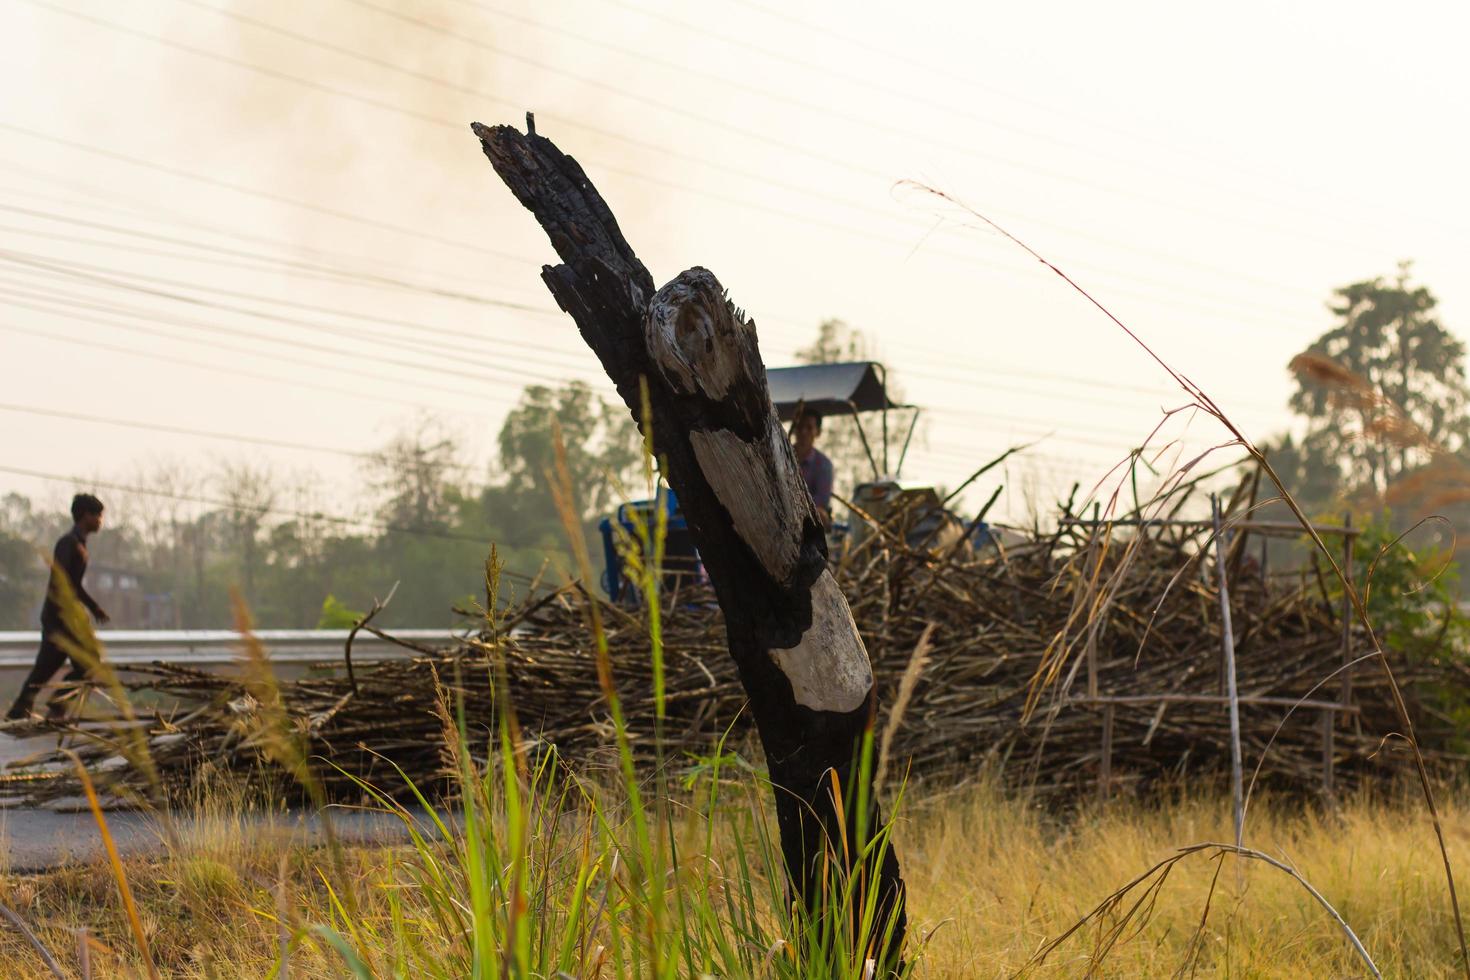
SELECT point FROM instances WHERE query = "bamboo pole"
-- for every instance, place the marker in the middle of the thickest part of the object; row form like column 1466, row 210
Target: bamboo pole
column 1227, row 640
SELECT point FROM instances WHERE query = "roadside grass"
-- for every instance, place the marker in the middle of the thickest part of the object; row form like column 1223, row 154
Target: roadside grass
column 992, row 879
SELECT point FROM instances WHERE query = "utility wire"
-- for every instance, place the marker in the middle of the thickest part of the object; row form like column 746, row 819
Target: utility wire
column 455, row 357
column 183, row 430
column 325, row 518
column 262, row 194
column 946, row 449
column 964, row 380
column 328, row 271
column 868, row 123
column 969, row 260
column 316, row 387
column 665, row 151
column 452, row 363
column 107, row 199
column 1014, row 424
column 952, row 451
column 460, row 338
column 846, row 230
column 758, row 135
column 328, row 369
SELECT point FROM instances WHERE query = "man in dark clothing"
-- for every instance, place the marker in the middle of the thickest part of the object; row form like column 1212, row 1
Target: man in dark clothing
column 69, row 560
column 816, row 468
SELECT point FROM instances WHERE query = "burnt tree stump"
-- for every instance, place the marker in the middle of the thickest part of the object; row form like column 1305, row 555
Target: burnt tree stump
column 725, row 454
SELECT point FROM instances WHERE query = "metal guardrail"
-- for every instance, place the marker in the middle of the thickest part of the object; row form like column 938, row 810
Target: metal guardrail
column 18, row 647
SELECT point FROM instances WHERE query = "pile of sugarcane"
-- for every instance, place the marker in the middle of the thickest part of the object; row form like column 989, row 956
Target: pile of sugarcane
column 1064, row 661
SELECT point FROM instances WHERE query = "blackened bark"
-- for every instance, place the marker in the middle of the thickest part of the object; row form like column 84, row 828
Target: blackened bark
column 725, row 454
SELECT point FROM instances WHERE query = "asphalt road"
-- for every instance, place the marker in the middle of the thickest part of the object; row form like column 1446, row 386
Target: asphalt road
column 34, row 839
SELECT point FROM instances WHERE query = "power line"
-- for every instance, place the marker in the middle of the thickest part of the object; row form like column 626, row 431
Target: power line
column 379, row 104
column 969, row 260
column 452, row 363
column 947, row 450
column 415, row 347
column 232, row 371
column 286, row 263
column 673, row 151
column 1032, row 428
column 107, row 200
column 257, row 192
column 950, row 451
column 325, row 518
column 956, row 457
column 645, row 57
column 1026, row 427
column 330, row 369
column 954, row 454
column 183, row 430
column 460, row 338
column 455, row 357
column 748, row 133
column 457, row 336
column 153, row 331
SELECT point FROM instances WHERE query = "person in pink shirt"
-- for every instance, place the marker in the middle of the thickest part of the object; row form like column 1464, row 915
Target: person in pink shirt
column 816, row 468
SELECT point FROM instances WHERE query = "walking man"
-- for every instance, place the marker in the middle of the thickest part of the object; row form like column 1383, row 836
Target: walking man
column 70, row 560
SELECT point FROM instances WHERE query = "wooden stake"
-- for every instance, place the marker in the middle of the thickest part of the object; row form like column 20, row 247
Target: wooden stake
column 1348, row 538
column 1227, row 641
column 1329, row 752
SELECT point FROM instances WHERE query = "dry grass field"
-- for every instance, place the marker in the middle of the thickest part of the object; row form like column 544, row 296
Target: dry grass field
column 992, row 881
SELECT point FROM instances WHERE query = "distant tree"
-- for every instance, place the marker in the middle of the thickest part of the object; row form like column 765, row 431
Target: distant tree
column 414, row 472
column 1307, row 465
column 20, row 518
column 836, row 342
column 22, row 572
column 250, row 494
column 601, row 442
column 22, row 579
column 1381, row 392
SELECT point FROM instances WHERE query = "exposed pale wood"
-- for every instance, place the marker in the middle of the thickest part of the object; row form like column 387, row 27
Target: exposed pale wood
column 829, row 668
column 699, row 341
column 1329, row 753
column 1345, row 691
column 758, row 485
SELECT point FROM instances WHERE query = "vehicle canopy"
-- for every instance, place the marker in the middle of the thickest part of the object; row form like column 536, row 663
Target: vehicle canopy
column 847, row 388
column 831, row 389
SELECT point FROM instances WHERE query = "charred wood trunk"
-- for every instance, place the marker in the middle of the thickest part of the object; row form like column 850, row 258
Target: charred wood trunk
column 724, row 452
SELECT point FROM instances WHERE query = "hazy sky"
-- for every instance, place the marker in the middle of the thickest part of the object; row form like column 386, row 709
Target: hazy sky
column 270, row 220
